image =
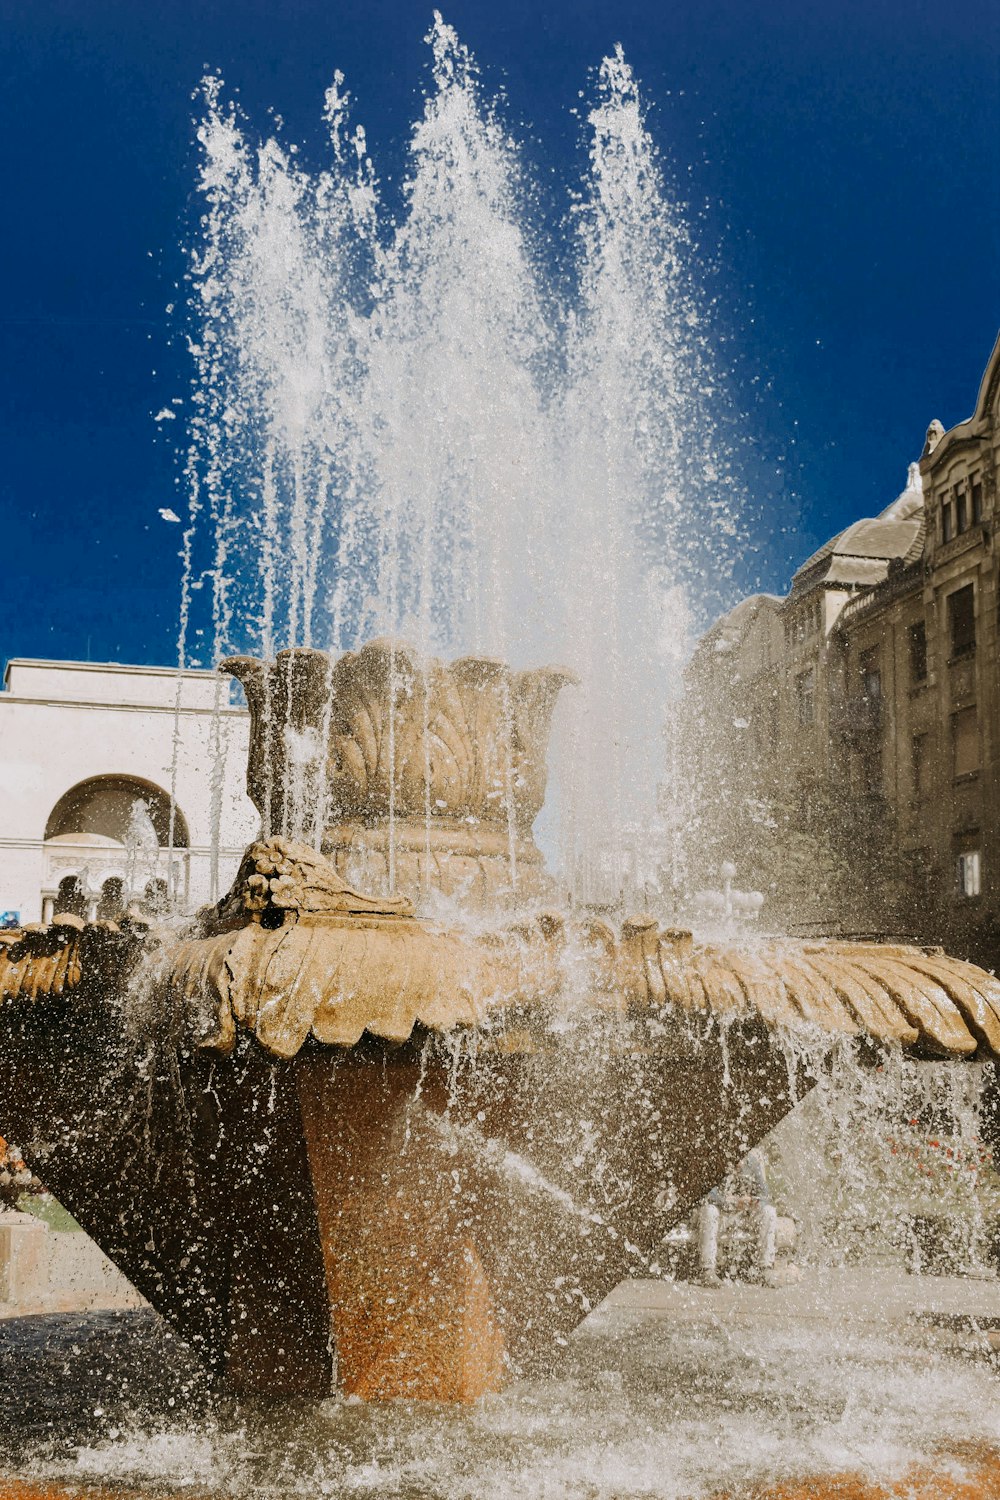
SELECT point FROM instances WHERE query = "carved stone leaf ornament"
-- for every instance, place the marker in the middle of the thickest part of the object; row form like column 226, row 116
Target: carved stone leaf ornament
column 445, row 760
column 315, row 958
column 292, row 951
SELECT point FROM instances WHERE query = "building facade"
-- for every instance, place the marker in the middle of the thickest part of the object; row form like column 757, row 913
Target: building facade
column 116, row 783
column 846, row 738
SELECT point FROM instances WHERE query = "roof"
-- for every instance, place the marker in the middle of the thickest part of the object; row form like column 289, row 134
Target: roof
column 860, row 554
column 973, row 426
column 731, row 628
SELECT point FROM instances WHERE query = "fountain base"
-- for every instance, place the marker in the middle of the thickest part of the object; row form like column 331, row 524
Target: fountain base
column 321, row 1123
column 463, row 1236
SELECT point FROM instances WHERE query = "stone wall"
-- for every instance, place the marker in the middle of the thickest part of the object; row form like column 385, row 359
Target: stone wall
column 55, row 1270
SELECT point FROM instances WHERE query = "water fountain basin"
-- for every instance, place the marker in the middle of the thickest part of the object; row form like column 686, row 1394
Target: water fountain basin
column 443, row 1146
column 411, row 773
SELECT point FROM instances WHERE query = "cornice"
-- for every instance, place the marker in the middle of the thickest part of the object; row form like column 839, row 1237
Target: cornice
column 179, row 850
column 10, row 700
column 54, row 664
column 873, row 601
column 973, row 539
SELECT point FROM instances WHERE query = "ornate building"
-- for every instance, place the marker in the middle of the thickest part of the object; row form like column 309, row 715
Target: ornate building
column 118, row 782
column 846, row 738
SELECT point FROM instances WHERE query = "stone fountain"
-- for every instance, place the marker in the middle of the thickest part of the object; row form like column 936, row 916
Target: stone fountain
column 330, row 1139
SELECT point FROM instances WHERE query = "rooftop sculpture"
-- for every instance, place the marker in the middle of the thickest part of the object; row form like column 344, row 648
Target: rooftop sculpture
column 440, row 1144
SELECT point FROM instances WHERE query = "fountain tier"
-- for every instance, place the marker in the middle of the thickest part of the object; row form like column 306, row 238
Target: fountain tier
column 416, row 774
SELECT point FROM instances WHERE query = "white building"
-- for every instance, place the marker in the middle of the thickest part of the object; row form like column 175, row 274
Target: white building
column 123, row 774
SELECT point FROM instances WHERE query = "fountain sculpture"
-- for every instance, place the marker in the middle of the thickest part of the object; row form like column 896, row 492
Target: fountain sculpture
column 327, row 1126
column 396, row 1111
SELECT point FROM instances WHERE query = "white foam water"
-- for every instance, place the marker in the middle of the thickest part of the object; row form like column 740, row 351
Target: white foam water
column 426, row 428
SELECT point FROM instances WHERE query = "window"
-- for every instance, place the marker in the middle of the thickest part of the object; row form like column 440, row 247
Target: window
column 976, row 491
column 871, row 680
column 947, row 522
column 965, row 742
column 113, row 901
column 918, row 652
column 805, row 696
column 969, row 873
column 919, row 766
column 961, row 511
column 962, row 621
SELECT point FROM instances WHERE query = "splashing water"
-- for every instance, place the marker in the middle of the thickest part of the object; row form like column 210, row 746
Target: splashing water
column 415, row 429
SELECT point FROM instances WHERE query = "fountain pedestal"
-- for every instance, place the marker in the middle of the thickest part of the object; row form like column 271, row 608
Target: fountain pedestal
column 464, row 1231
column 410, row 1301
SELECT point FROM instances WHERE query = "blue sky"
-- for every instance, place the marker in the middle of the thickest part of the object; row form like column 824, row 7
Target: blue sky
column 840, row 162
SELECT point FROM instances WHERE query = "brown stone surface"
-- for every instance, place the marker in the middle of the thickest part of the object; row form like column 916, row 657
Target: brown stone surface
column 203, row 1198
column 412, row 1309
column 468, row 1220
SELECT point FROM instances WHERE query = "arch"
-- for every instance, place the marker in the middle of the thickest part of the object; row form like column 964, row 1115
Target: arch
column 105, row 806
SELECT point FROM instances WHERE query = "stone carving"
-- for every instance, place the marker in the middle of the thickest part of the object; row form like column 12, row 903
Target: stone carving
column 935, row 433
column 292, row 951
column 437, row 769
column 280, row 880
column 310, row 957
column 40, row 960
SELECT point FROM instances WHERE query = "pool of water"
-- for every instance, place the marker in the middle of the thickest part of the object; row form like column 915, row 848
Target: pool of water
column 665, row 1393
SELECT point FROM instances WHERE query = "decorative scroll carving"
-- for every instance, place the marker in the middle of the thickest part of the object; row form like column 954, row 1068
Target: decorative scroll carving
column 39, row 961
column 280, row 880
column 293, row 951
column 312, row 957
